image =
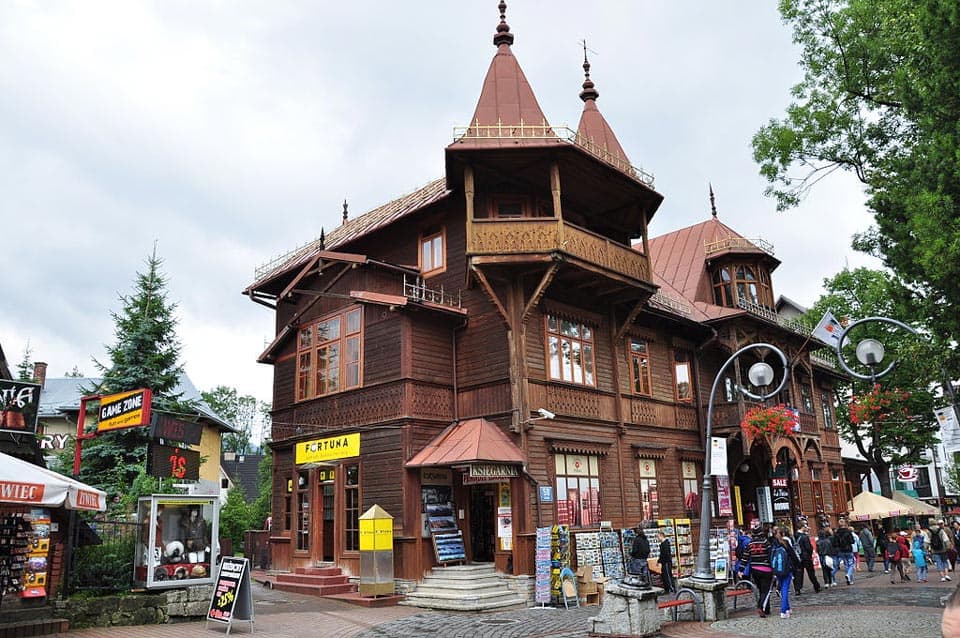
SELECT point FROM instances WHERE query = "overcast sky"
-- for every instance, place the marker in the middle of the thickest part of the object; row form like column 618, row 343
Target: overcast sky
column 230, row 132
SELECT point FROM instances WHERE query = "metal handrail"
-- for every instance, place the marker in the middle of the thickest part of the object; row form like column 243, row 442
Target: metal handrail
column 728, row 243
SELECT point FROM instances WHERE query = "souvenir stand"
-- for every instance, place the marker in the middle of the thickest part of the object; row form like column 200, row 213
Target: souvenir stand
column 176, row 541
column 559, row 560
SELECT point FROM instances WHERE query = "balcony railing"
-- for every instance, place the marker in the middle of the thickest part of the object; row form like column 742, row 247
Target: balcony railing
column 546, row 133
column 735, row 243
column 543, row 235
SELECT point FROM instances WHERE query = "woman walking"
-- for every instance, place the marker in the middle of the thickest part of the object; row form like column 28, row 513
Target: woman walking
column 783, row 561
column 828, row 561
column 758, row 552
column 919, row 557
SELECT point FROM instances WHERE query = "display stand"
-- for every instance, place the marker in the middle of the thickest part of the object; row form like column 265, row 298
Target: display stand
column 15, row 533
column 542, row 567
column 447, row 536
column 685, row 557
column 611, row 551
column 559, row 560
column 587, row 545
column 232, row 599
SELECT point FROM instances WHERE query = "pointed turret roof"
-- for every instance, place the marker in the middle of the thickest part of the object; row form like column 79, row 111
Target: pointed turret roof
column 506, row 98
column 593, row 130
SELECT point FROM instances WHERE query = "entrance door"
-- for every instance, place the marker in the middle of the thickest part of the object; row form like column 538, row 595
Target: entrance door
column 483, row 504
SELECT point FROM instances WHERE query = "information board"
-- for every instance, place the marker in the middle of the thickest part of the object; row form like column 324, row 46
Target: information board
column 542, row 566
column 232, row 599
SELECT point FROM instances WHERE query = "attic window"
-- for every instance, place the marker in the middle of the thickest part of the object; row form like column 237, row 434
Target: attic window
column 432, row 255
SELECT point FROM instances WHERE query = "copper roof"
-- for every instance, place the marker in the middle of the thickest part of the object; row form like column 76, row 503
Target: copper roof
column 354, row 229
column 474, row 440
column 593, row 126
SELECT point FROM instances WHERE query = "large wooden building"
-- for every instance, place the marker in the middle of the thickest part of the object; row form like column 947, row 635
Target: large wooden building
column 422, row 348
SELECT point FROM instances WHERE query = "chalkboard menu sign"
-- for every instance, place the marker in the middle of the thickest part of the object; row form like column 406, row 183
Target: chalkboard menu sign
column 232, row 599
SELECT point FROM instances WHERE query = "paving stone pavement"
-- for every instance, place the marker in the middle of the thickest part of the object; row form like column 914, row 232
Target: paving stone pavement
column 870, row 608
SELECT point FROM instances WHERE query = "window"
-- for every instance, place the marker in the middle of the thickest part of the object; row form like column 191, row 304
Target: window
column 722, row 290
column 640, row 366
column 682, row 378
column 649, row 499
column 351, row 509
column 691, row 486
column 827, row 412
column 431, row 254
column 303, row 510
column 570, row 348
column 578, row 489
column 328, row 355
column 806, row 398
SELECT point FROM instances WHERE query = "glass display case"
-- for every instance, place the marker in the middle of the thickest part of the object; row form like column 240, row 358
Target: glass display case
column 176, row 541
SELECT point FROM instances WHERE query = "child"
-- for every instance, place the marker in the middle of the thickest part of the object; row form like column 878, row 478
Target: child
column 919, row 557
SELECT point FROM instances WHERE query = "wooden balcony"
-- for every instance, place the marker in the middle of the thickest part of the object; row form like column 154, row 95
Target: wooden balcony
column 543, row 236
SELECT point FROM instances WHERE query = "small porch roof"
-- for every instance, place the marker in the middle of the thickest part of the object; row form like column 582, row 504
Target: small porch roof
column 470, row 441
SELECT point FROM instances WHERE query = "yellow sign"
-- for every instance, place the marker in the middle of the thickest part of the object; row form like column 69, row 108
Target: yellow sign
column 335, row 447
column 124, row 410
column 376, row 534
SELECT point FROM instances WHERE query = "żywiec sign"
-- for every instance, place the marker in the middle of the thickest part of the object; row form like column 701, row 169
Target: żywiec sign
column 18, row 406
column 334, row 447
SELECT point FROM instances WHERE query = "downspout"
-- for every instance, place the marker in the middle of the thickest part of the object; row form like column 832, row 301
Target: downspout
column 621, row 427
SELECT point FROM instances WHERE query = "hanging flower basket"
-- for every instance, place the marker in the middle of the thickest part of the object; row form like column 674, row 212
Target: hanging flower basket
column 772, row 422
column 878, row 405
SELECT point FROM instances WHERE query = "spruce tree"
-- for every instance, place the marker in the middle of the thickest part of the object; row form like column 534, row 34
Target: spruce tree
column 145, row 355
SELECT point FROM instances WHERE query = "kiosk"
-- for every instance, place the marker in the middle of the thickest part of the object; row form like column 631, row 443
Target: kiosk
column 176, row 541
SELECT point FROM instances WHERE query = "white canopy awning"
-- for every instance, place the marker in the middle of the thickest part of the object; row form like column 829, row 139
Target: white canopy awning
column 29, row 484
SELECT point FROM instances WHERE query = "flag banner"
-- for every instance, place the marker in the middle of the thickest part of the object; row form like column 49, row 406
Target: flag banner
column 828, row 330
column 946, row 418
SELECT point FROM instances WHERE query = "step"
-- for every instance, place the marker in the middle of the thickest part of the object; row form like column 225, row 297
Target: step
column 315, row 590
column 461, row 583
column 307, row 579
column 462, row 575
column 318, row 571
column 456, row 595
column 40, row 627
column 516, row 602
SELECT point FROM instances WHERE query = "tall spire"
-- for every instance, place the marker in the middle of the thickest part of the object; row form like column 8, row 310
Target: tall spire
column 589, row 92
column 503, row 35
column 344, row 210
column 713, row 203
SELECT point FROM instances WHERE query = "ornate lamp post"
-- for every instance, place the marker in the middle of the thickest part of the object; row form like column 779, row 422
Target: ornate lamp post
column 761, row 376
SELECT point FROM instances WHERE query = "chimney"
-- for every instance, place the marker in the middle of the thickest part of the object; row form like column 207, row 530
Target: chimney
column 40, row 372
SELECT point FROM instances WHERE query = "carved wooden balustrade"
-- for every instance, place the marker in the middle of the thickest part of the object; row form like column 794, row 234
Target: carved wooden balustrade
column 541, row 236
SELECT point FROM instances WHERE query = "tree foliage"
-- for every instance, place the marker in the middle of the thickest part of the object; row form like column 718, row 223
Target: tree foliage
column 244, row 412
column 145, row 355
column 880, row 97
column 25, row 367
column 901, row 430
column 236, row 517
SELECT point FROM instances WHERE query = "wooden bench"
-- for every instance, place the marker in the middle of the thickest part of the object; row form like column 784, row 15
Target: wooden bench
column 680, row 602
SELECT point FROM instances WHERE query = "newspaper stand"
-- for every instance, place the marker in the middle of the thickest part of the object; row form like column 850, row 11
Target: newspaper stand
column 376, row 553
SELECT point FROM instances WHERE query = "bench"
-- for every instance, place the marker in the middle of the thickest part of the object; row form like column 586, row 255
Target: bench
column 680, row 602
column 742, row 588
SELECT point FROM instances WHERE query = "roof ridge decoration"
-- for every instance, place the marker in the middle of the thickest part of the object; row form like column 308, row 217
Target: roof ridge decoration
column 593, row 131
column 503, row 35
column 589, row 91
column 713, row 203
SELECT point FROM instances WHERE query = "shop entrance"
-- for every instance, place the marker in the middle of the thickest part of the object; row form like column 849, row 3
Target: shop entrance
column 322, row 547
column 483, row 507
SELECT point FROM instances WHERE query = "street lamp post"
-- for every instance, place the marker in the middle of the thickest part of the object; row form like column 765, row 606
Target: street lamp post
column 870, row 353
column 760, row 375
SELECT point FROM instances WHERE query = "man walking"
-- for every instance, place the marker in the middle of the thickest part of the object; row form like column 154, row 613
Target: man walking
column 805, row 551
column 869, row 544
column 939, row 544
column 666, row 563
column 845, row 543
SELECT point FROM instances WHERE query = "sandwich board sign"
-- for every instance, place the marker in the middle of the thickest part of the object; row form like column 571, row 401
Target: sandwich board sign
column 232, row 599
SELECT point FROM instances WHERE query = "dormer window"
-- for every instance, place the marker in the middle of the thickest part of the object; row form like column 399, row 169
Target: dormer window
column 746, row 283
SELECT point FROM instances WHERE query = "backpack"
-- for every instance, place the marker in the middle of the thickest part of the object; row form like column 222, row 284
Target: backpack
column 845, row 540
column 892, row 551
column 780, row 561
column 936, row 541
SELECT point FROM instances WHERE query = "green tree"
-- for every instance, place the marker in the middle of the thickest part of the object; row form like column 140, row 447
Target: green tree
column 25, row 367
column 880, row 97
column 145, row 355
column 75, row 373
column 263, row 505
column 893, row 437
column 244, row 412
column 236, row 517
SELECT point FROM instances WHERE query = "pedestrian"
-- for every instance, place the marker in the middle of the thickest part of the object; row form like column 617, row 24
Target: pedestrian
column 783, row 562
column 919, row 558
column 665, row 561
column 740, row 568
column 952, row 555
column 827, row 558
column 869, row 544
column 939, row 544
column 881, row 537
column 902, row 539
column 893, row 552
column 760, row 571
column 845, row 541
column 639, row 553
column 805, row 552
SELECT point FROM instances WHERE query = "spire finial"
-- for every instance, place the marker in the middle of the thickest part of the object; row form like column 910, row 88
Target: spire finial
column 323, row 239
column 503, row 35
column 713, row 203
column 589, row 91
column 344, row 210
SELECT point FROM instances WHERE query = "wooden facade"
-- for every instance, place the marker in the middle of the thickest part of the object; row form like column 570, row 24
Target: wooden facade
column 525, row 279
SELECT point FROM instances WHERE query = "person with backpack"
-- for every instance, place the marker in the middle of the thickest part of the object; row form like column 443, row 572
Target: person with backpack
column 639, row 553
column 893, row 552
column 919, row 557
column 845, row 542
column 805, row 552
column 741, row 567
column 758, row 557
column 828, row 559
column 939, row 543
column 783, row 562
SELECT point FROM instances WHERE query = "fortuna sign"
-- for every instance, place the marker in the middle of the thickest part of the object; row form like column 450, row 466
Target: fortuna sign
column 335, row 447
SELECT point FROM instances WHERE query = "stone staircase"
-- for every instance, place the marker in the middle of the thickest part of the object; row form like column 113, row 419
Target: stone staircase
column 31, row 622
column 474, row 587
column 315, row 581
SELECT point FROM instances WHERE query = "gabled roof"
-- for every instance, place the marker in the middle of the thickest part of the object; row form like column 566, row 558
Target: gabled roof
column 243, row 470
column 474, row 440
column 60, row 398
column 354, row 229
